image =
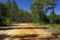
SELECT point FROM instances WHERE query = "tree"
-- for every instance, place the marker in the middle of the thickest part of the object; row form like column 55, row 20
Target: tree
column 14, row 11
column 24, row 16
column 8, row 5
column 36, row 9
column 3, row 13
column 57, row 19
column 41, row 7
column 53, row 6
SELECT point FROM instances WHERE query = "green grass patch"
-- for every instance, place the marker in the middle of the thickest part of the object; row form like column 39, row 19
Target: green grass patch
column 57, row 26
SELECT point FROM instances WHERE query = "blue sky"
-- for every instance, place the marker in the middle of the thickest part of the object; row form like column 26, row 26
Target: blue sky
column 25, row 4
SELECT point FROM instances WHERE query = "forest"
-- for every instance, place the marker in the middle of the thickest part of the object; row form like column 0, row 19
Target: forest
column 10, row 13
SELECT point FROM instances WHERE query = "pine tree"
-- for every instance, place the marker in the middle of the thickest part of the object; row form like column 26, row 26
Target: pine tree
column 3, row 13
column 53, row 6
column 40, row 8
column 36, row 8
column 8, row 4
column 15, row 10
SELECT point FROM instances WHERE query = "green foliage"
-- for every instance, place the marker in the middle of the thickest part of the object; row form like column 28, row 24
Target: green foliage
column 24, row 16
column 8, row 5
column 14, row 11
column 10, row 13
column 38, row 9
column 3, row 13
column 15, row 14
column 57, row 19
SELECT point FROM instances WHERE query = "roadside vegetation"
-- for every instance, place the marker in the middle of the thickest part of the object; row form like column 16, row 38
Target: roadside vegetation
column 10, row 13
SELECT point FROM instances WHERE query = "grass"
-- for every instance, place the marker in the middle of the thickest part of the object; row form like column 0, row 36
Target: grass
column 57, row 26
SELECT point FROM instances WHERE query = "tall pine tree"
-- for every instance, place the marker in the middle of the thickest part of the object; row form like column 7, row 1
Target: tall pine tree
column 40, row 8
column 8, row 4
column 14, row 10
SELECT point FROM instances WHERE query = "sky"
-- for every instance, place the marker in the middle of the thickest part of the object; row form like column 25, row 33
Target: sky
column 25, row 4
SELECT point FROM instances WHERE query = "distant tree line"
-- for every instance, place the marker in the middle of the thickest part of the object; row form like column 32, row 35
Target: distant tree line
column 10, row 13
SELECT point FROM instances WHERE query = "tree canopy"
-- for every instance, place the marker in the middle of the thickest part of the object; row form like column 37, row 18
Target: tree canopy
column 11, row 13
